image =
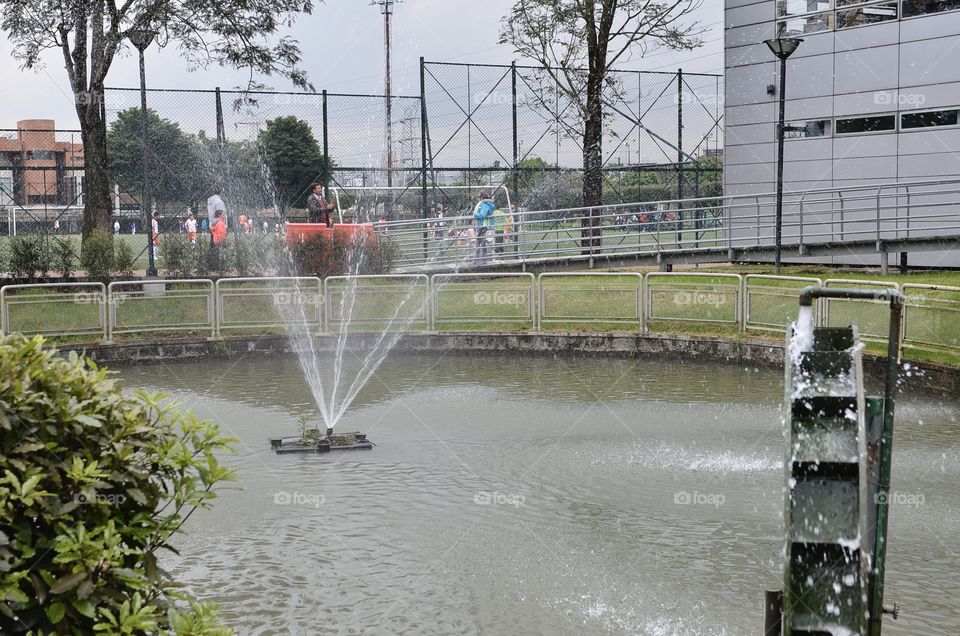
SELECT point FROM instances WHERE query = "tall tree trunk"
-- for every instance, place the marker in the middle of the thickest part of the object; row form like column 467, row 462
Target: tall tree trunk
column 592, row 165
column 97, row 203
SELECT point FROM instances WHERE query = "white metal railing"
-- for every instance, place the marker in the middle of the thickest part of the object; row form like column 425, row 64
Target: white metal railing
column 138, row 307
column 501, row 299
column 76, row 309
column 377, row 300
column 931, row 317
column 871, row 214
column 610, row 298
column 871, row 316
column 693, row 297
column 771, row 302
column 517, row 300
column 260, row 303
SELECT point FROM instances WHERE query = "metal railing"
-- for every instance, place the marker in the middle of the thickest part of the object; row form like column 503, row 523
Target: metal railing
column 771, row 302
column 503, row 299
column 693, row 298
column 608, row 298
column 653, row 302
column 252, row 303
column 143, row 307
column 931, row 319
column 75, row 309
column 867, row 217
column 370, row 301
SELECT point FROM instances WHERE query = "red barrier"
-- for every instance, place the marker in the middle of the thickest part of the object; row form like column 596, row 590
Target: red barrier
column 299, row 232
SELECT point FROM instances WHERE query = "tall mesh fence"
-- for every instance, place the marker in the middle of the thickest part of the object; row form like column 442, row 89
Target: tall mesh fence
column 504, row 130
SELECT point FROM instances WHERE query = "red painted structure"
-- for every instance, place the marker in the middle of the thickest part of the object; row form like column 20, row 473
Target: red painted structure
column 298, row 232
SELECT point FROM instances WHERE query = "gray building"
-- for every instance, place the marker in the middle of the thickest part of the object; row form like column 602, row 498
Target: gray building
column 874, row 92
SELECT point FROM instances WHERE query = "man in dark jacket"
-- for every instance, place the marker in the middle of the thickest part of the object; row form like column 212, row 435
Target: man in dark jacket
column 320, row 211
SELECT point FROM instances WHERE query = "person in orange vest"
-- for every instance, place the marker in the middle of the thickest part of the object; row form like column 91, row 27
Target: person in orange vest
column 219, row 230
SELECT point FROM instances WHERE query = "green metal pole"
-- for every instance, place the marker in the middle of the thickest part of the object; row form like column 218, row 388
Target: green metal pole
column 423, row 153
column 886, row 459
column 516, row 137
column 326, row 153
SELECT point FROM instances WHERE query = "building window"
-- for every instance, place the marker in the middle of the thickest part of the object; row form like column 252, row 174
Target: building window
column 807, row 129
column 41, row 155
column 913, row 8
column 931, row 119
column 871, row 124
column 867, row 14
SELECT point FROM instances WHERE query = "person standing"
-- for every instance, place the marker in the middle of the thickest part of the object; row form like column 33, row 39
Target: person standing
column 116, row 227
column 155, row 234
column 483, row 215
column 191, row 226
column 317, row 207
column 215, row 204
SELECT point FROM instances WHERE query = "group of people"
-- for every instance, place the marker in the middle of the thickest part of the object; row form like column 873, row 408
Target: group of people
column 491, row 224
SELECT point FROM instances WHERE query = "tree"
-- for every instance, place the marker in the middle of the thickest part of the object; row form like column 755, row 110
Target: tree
column 91, row 33
column 578, row 42
column 176, row 173
column 293, row 156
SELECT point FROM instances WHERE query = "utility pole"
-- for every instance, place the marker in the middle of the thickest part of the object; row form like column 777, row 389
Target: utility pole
column 386, row 8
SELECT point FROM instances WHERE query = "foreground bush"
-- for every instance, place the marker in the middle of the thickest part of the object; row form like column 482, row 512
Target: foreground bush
column 93, row 485
column 29, row 256
column 96, row 256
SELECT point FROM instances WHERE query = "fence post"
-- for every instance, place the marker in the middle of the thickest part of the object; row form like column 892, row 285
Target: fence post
column 423, row 152
column 516, row 134
column 221, row 129
column 680, row 156
column 325, row 167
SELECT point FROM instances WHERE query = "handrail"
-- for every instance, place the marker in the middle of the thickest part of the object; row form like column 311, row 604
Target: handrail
column 492, row 289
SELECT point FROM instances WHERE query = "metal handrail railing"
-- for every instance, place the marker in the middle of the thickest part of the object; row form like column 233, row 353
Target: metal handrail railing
column 47, row 294
column 151, row 291
column 423, row 312
column 301, row 290
column 636, row 287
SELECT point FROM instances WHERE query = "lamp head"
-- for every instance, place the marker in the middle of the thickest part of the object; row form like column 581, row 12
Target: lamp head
column 783, row 47
column 141, row 38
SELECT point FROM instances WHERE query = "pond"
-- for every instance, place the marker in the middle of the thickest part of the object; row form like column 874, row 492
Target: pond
column 511, row 494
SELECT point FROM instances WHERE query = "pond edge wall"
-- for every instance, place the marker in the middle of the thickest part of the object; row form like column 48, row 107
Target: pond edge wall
column 925, row 377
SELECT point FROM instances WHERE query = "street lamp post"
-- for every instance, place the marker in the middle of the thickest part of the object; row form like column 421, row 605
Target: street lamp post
column 141, row 39
column 783, row 48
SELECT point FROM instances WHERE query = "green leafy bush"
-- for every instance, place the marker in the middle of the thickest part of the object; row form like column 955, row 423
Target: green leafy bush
column 93, row 484
column 123, row 259
column 201, row 256
column 29, row 256
column 178, row 256
column 63, row 256
column 269, row 251
column 241, row 255
column 340, row 254
column 96, row 255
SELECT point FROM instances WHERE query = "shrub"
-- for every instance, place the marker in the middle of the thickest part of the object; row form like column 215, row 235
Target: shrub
column 123, row 258
column 94, row 484
column 269, row 252
column 29, row 256
column 241, row 255
column 178, row 256
column 96, row 255
column 64, row 257
column 201, row 256
column 337, row 255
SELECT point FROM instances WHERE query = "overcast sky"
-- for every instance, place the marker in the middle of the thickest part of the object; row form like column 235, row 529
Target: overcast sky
column 342, row 45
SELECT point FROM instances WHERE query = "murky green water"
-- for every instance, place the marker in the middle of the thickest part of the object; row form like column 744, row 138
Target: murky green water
column 512, row 495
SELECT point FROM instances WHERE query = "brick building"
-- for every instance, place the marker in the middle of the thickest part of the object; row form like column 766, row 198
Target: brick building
column 40, row 166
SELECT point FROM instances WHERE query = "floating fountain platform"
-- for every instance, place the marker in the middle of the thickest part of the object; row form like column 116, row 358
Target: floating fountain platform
column 318, row 443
